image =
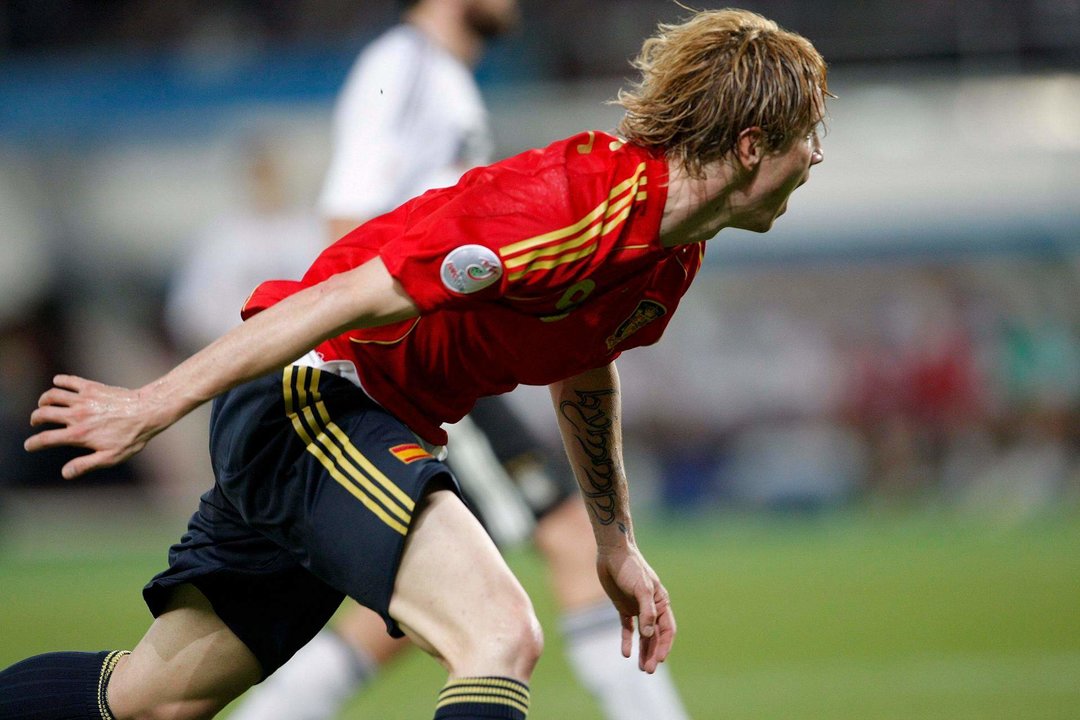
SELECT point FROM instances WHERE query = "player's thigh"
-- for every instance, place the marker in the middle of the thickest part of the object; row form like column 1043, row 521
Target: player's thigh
column 188, row 665
column 457, row 598
column 354, row 489
column 381, row 520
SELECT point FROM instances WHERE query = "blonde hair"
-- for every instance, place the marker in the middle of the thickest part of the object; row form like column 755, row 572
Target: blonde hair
column 709, row 78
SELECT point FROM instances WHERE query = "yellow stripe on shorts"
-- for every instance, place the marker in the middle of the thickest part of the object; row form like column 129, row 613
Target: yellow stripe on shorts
column 336, row 452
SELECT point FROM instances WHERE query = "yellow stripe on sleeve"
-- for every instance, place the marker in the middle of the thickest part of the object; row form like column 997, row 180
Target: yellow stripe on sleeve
column 574, row 228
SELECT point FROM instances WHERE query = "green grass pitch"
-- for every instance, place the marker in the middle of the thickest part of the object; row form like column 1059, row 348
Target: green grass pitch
column 854, row 615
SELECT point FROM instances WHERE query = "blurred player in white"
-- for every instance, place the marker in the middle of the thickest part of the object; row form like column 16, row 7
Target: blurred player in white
column 411, row 118
column 268, row 237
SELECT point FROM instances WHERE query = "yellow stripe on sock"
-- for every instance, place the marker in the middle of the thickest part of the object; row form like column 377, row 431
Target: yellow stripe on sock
column 107, row 669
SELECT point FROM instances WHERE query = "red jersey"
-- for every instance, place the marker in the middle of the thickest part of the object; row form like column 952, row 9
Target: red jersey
column 531, row 270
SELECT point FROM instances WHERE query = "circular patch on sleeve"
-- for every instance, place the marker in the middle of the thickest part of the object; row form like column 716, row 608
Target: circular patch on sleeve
column 470, row 268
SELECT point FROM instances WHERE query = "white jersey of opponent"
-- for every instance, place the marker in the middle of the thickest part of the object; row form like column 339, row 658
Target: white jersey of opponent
column 409, row 118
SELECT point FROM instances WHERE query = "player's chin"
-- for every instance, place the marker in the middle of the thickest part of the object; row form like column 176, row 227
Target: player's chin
column 762, row 227
column 767, row 225
column 759, row 223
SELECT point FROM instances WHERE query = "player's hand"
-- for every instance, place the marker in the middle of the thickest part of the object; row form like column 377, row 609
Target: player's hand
column 637, row 592
column 113, row 422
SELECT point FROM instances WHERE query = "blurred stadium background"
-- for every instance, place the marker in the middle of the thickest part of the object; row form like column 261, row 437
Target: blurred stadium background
column 855, row 455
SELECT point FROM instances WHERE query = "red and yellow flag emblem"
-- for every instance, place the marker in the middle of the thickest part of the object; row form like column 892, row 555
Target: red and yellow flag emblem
column 409, row 453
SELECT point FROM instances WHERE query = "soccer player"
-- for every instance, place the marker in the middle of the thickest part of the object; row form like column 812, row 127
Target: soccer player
column 328, row 401
column 411, row 118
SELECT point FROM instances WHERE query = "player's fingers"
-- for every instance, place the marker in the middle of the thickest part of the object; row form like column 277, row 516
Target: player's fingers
column 48, row 439
column 627, row 635
column 665, row 634
column 654, row 650
column 86, row 463
column 71, row 382
column 50, row 414
column 646, row 631
column 645, row 661
column 646, row 615
column 56, row 396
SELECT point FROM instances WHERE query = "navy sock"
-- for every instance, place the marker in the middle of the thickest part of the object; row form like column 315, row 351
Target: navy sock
column 477, row 698
column 58, row 686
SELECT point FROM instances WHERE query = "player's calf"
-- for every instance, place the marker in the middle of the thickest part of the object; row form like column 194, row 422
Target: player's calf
column 58, row 686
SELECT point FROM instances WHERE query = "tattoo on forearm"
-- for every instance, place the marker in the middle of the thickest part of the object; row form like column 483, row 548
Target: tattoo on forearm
column 593, row 427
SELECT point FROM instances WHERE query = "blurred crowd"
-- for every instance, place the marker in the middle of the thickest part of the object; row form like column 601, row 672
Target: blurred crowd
column 906, row 381
column 1031, row 31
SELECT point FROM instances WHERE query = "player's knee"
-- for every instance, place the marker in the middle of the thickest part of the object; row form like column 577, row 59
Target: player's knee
column 510, row 642
column 523, row 640
column 531, row 640
column 528, row 637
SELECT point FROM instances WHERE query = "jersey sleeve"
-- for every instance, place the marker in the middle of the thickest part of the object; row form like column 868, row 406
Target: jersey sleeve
column 450, row 254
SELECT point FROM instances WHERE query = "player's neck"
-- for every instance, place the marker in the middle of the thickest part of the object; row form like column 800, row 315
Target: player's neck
column 443, row 24
column 697, row 207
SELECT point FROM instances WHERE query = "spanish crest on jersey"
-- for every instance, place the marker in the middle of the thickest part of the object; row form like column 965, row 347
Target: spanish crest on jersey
column 645, row 313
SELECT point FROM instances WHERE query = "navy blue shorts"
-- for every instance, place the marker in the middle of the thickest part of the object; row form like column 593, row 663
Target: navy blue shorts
column 314, row 493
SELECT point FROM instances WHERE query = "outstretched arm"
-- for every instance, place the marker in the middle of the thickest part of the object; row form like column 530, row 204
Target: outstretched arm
column 115, row 423
column 588, row 411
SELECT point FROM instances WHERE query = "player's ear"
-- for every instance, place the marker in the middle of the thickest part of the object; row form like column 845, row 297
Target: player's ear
column 749, row 148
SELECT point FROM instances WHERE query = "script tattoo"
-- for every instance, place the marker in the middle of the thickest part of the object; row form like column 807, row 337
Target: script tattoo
column 592, row 426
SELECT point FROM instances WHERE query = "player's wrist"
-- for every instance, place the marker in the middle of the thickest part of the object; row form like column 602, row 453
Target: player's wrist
column 162, row 403
column 615, row 538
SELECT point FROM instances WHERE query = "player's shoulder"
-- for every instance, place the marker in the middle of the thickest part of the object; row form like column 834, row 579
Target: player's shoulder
column 556, row 183
column 393, row 45
column 595, row 146
column 606, row 157
column 587, row 152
